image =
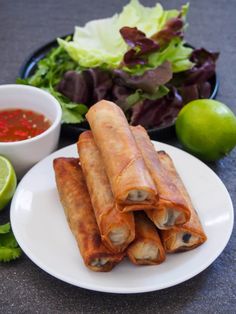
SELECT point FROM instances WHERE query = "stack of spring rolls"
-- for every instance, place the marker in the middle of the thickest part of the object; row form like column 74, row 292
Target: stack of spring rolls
column 122, row 198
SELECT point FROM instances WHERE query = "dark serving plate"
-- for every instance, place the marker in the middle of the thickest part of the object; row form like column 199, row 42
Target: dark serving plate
column 29, row 66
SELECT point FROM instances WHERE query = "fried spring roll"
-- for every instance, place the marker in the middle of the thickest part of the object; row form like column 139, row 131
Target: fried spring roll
column 172, row 207
column 117, row 229
column 147, row 248
column 75, row 199
column 130, row 180
column 187, row 236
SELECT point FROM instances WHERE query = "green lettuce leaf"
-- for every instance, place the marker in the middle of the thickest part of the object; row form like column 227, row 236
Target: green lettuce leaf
column 47, row 76
column 8, row 240
column 144, row 18
column 8, row 254
column 99, row 43
column 169, row 14
column 9, row 249
column 71, row 112
column 5, row 228
column 176, row 53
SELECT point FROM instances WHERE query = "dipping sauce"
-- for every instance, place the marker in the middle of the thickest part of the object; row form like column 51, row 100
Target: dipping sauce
column 20, row 124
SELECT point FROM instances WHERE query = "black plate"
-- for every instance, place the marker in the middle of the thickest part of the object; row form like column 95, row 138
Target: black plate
column 29, row 66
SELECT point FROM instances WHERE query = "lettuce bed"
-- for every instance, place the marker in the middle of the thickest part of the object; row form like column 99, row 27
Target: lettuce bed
column 137, row 58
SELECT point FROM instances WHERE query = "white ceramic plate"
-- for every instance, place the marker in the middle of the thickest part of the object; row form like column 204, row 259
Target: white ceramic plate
column 40, row 227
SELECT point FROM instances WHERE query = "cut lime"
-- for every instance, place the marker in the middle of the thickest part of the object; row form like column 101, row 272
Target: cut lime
column 7, row 181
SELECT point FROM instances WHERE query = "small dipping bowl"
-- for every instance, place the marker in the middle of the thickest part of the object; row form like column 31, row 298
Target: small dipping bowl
column 24, row 154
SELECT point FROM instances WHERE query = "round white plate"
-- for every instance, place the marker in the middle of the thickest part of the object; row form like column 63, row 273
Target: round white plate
column 41, row 229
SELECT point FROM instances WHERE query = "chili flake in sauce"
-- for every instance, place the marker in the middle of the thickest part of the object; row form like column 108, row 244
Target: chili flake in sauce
column 21, row 124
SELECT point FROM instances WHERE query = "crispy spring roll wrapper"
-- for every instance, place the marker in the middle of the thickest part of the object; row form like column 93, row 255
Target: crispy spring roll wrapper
column 185, row 237
column 191, row 234
column 134, row 208
column 75, row 199
column 147, row 248
column 116, row 228
column 172, row 208
column 129, row 177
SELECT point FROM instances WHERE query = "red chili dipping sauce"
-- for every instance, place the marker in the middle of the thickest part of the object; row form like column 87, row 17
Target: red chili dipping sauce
column 20, row 124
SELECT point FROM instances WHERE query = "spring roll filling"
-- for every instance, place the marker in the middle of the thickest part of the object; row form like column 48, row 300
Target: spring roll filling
column 171, row 217
column 137, row 196
column 146, row 251
column 99, row 262
column 186, row 239
column 182, row 239
column 119, row 236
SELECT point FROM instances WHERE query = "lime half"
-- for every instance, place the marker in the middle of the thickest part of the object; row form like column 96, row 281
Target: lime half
column 7, row 181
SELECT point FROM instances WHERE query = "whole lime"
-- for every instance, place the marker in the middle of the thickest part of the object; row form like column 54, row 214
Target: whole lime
column 206, row 128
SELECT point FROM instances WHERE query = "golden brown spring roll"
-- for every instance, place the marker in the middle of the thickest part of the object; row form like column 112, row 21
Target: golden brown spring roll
column 147, row 248
column 187, row 236
column 117, row 229
column 130, row 180
column 172, row 207
column 75, row 199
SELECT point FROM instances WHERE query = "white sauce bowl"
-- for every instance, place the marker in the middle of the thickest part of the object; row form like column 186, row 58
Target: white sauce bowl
column 24, row 154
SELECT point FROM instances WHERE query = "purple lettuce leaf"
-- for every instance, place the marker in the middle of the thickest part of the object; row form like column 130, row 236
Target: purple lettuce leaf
column 140, row 45
column 86, row 87
column 120, row 94
column 189, row 93
column 74, row 86
column 201, row 56
column 99, row 83
column 149, row 82
column 131, row 92
column 194, row 83
column 195, row 91
column 127, row 98
column 204, row 90
column 157, row 113
column 172, row 28
column 204, row 68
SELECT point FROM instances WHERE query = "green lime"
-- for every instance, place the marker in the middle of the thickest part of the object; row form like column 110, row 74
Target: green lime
column 206, row 128
column 7, row 181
